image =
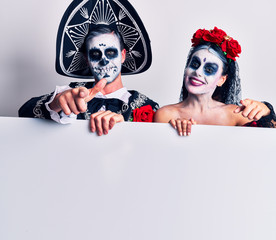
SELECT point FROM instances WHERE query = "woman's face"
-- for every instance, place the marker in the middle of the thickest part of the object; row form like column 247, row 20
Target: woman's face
column 203, row 72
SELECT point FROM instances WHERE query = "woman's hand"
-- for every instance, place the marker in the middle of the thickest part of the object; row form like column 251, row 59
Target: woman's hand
column 253, row 110
column 183, row 126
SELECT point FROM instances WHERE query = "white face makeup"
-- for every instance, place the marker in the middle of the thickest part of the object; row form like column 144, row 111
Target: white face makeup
column 203, row 72
column 104, row 56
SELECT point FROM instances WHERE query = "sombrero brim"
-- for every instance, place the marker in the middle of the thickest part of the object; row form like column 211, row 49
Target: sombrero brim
column 84, row 15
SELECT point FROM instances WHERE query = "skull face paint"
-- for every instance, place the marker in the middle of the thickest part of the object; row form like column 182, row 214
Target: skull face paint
column 203, row 72
column 104, row 56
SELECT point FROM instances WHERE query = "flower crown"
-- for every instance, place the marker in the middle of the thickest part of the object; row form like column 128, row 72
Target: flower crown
column 230, row 47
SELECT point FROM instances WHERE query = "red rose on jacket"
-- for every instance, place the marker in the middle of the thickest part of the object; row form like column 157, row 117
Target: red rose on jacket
column 143, row 114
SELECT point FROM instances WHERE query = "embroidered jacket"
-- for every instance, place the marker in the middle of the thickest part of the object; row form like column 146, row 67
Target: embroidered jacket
column 35, row 107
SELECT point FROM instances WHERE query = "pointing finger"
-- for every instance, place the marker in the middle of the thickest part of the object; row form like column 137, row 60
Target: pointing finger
column 97, row 88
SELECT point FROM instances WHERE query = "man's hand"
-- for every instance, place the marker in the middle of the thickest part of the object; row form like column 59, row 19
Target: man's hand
column 253, row 110
column 103, row 121
column 183, row 126
column 75, row 100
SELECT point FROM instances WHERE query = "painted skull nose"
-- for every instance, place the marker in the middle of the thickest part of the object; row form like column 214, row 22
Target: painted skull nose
column 103, row 62
column 199, row 72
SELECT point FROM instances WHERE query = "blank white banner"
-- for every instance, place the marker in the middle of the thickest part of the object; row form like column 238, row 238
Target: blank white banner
column 142, row 181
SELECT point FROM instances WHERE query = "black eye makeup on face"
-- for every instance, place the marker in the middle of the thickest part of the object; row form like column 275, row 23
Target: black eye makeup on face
column 195, row 63
column 95, row 54
column 111, row 53
column 210, row 68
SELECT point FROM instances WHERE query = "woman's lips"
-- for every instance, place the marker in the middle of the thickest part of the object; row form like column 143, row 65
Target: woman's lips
column 196, row 82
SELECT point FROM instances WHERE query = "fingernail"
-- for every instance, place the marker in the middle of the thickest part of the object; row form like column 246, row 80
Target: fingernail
column 180, row 134
column 185, row 134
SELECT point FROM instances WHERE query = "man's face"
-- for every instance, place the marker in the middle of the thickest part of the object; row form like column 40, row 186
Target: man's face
column 104, row 56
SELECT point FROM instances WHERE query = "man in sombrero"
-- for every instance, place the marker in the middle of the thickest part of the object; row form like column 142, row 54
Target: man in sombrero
column 101, row 40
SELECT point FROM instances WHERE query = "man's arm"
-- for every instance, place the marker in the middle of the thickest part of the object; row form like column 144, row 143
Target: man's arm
column 70, row 101
column 75, row 100
column 261, row 112
column 253, row 110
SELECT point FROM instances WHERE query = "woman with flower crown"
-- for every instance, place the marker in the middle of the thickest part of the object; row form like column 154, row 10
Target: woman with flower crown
column 211, row 88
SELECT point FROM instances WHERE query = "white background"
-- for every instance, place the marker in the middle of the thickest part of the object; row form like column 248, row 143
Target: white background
column 28, row 37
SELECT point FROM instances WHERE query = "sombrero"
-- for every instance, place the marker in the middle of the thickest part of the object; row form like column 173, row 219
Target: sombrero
column 82, row 16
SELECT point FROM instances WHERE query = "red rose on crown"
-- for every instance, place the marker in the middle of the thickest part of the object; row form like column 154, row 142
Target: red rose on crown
column 143, row 114
column 216, row 36
column 232, row 48
column 197, row 36
column 228, row 45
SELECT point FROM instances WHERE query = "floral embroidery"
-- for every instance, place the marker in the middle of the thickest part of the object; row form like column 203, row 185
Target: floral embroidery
column 139, row 101
column 37, row 109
